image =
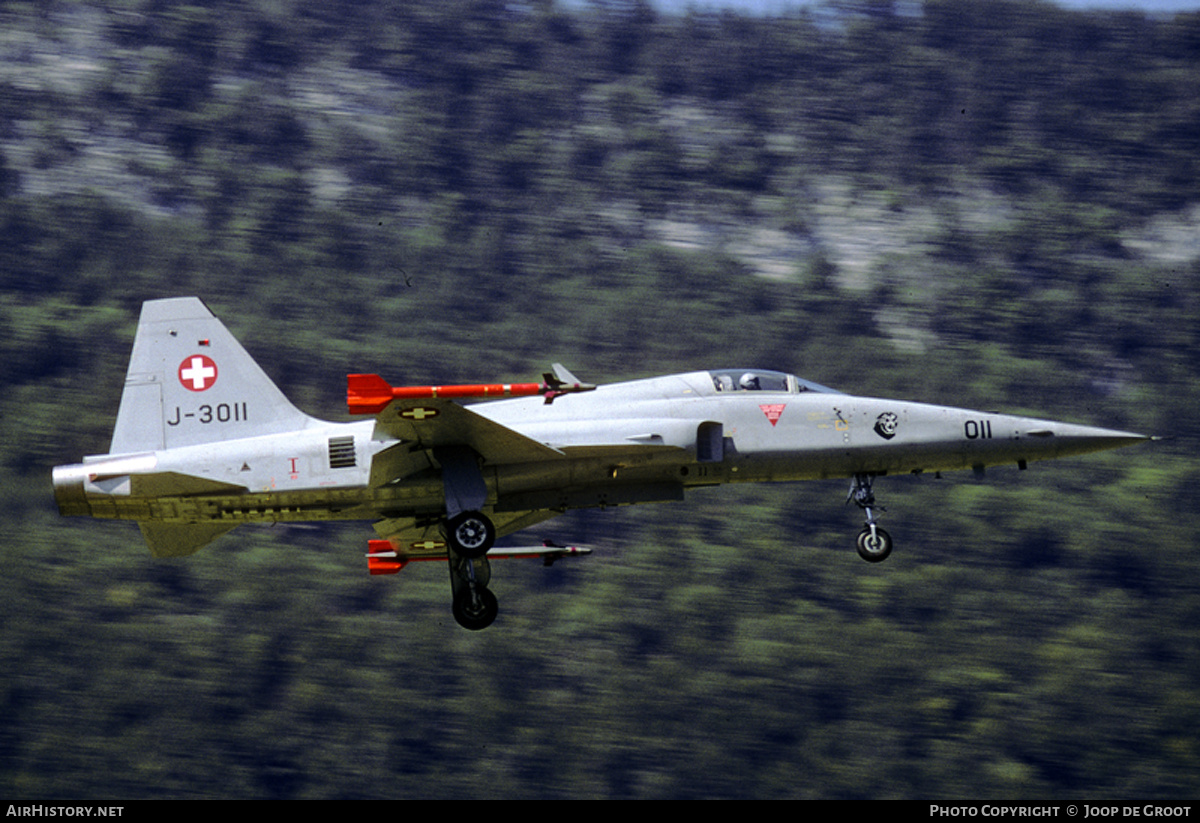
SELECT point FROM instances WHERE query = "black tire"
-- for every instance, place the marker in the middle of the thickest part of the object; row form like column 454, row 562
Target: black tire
column 475, row 615
column 874, row 550
column 471, row 534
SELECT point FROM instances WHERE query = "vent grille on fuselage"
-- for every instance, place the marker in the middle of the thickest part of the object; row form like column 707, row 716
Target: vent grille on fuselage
column 341, row 453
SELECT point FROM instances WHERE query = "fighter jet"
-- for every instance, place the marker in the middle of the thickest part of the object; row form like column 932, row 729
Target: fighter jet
column 205, row 441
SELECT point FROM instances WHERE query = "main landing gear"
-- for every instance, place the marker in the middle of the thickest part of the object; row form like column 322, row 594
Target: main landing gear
column 469, row 535
column 874, row 544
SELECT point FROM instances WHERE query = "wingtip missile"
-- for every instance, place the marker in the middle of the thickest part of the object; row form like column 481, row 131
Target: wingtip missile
column 371, row 394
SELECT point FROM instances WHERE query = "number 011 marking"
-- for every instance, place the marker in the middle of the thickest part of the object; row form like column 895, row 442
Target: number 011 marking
column 976, row 429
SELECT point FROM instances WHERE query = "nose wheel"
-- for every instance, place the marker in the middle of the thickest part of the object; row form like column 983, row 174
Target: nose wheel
column 873, row 544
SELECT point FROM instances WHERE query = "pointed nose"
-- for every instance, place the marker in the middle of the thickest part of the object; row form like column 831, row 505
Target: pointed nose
column 1069, row 438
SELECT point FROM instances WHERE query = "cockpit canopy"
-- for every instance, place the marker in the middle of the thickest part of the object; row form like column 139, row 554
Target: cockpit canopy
column 729, row 380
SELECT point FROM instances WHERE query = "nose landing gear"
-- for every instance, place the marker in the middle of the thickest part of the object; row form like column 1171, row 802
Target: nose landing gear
column 873, row 544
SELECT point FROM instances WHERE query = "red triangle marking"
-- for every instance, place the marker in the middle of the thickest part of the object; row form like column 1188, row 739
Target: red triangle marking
column 773, row 411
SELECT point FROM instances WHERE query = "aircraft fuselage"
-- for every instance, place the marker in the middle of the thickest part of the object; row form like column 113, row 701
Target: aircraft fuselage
column 634, row 442
column 204, row 440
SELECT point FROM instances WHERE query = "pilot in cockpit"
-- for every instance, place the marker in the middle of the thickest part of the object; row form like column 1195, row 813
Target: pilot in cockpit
column 733, row 381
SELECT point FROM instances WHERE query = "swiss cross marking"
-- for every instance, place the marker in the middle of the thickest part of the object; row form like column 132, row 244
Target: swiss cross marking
column 197, row 372
column 773, row 411
column 419, row 413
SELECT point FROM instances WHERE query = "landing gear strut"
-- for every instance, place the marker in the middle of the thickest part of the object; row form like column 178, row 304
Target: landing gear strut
column 874, row 544
column 469, row 535
column 474, row 605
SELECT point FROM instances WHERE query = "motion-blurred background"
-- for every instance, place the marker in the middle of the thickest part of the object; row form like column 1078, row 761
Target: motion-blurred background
column 988, row 204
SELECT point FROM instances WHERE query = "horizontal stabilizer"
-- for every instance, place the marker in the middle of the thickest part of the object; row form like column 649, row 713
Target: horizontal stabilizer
column 181, row 539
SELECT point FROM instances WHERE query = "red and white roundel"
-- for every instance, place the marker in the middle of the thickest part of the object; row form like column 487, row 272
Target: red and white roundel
column 197, row 372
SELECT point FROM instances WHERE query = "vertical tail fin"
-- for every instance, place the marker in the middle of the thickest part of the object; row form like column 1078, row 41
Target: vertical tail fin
column 191, row 382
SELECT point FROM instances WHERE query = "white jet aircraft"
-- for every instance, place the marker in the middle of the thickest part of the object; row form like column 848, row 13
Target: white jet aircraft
column 204, row 440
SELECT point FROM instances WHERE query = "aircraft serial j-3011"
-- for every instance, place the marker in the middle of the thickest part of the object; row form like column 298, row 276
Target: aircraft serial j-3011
column 204, row 441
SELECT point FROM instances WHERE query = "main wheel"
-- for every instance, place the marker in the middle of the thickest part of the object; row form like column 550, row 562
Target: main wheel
column 874, row 549
column 471, row 534
column 475, row 613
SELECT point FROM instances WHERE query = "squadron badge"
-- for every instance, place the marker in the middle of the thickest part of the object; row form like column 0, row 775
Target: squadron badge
column 885, row 425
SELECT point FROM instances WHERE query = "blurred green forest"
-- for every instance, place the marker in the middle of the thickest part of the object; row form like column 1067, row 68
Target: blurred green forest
column 991, row 204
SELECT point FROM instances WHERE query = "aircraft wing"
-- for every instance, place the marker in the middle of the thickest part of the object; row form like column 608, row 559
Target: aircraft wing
column 432, row 422
column 419, row 537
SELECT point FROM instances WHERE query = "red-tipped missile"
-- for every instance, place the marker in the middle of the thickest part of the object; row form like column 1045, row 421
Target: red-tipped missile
column 370, row 393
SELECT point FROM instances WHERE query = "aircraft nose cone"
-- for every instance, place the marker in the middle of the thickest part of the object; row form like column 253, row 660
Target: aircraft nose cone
column 1070, row 438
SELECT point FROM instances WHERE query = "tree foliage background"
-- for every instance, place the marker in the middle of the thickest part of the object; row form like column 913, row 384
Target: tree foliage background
column 993, row 205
